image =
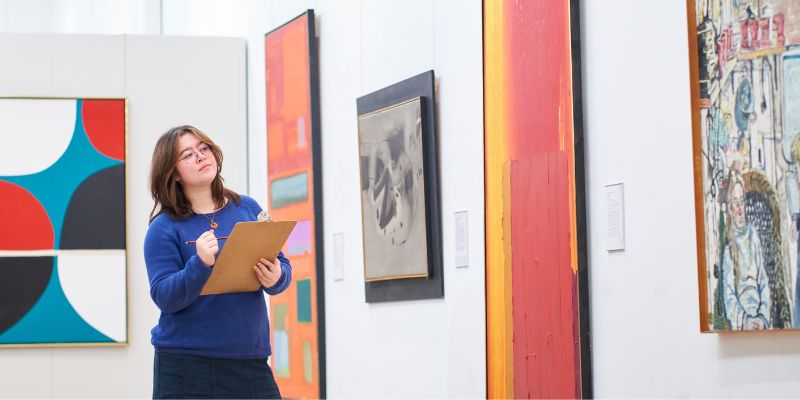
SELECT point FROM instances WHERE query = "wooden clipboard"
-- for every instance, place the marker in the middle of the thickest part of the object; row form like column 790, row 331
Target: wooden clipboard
column 247, row 243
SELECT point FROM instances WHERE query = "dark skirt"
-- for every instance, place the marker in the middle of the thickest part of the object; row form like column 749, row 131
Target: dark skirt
column 181, row 376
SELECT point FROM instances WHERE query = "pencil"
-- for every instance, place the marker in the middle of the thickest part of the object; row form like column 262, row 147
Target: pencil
column 219, row 238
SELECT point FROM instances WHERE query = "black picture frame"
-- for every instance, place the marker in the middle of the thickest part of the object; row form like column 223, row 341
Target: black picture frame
column 581, row 225
column 432, row 286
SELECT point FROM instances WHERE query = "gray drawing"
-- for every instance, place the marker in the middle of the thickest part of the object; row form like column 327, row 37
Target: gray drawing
column 393, row 192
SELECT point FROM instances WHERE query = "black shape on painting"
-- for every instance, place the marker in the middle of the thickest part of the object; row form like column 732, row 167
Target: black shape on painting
column 22, row 282
column 759, row 212
column 95, row 217
column 431, row 287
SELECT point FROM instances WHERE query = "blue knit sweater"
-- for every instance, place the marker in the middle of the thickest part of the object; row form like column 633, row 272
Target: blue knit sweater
column 231, row 325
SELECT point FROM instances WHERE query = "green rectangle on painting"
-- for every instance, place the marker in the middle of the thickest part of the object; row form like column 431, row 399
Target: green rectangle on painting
column 289, row 190
column 304, row 300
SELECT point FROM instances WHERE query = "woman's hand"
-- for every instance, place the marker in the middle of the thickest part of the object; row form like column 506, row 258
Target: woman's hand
column 268, row 272
column 207, row 247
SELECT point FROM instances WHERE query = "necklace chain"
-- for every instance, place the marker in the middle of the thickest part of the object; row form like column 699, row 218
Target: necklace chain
column 213, row 224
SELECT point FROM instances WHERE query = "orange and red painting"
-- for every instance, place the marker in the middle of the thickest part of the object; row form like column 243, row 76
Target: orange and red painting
column 537, row 303
column 294, row 181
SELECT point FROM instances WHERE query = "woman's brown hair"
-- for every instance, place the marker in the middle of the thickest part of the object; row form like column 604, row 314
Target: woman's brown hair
column 165, row 189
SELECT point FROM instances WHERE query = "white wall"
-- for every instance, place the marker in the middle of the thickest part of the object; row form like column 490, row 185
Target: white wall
column 81, row 16
column 646, row 338
column 645, row 321
column 431, row 348
column 168, row 81
column 437, row 346
column 246, row 19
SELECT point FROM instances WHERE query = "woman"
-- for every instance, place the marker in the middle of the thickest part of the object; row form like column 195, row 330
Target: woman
column 215, row 345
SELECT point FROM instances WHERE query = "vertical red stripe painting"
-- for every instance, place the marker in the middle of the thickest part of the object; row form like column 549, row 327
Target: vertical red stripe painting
column 535, row 227
column 295, row 190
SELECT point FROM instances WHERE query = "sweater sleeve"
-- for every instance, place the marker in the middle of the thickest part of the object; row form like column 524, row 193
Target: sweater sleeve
column 173, row 286
column 285, row 279
column 252, row 206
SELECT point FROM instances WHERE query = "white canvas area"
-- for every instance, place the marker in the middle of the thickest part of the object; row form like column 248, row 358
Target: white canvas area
column 95, row 286
column 31, row 143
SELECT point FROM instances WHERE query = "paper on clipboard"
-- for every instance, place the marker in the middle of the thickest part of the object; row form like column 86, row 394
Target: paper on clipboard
column 249, row 241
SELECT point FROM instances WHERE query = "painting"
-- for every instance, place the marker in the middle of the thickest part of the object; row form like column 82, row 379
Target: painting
column 294, row 179
column 745, row 82
column 399, row 191
column 393, row 192
column 63, row 268
column 537, row 279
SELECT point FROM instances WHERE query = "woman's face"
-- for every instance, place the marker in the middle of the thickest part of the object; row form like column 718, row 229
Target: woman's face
column 196, row 166
column 737, row 206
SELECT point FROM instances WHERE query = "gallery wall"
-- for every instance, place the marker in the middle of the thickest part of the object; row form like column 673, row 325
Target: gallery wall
column 645, row 324
column 644, row 300
column 151, row 72
column 436, row 346
column 141, row 17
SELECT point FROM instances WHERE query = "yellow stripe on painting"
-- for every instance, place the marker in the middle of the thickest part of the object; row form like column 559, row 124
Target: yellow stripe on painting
column 567, row 133
column 498, row 272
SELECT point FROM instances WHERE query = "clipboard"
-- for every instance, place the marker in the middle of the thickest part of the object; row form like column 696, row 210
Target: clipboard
column 248, row 241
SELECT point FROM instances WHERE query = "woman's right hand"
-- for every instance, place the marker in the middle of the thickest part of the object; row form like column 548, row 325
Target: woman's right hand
column 207, row 247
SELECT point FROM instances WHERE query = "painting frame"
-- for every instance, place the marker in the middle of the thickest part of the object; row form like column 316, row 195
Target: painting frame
column 535, row 190
column 375, row 269
column 98, row 141
column 741, row 167
column 411, row 288
column 304, row 302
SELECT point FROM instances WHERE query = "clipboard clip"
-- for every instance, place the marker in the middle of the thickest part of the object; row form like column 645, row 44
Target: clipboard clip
column 264, row 216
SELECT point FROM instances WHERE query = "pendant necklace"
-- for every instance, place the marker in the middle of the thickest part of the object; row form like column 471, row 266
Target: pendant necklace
column 213, row 224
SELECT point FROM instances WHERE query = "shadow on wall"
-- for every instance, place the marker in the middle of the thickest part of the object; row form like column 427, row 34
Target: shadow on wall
column 759, row 344
column 741, row 354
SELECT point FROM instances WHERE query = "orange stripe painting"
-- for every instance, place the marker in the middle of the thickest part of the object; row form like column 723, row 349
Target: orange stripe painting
column 294, row 182
column 535, row 235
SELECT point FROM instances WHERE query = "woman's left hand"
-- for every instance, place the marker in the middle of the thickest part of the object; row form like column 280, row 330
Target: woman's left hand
column 268, row 272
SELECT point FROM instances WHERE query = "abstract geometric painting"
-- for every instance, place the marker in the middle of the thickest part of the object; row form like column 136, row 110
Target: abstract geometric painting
column 63, row 277
column 399, row 191
column 294, row 177
column 745, row 82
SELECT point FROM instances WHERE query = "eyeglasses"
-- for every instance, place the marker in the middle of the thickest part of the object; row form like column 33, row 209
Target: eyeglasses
column 194, row 155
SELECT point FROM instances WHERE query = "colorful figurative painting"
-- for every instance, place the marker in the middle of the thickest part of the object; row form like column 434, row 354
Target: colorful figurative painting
column 295, row 188
column 745, row 64
column 537, row 303
column 63, row 278
column 393, row 192
column 399, row 191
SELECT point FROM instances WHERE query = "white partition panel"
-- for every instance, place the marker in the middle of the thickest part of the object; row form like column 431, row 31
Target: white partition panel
column 167, row 81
